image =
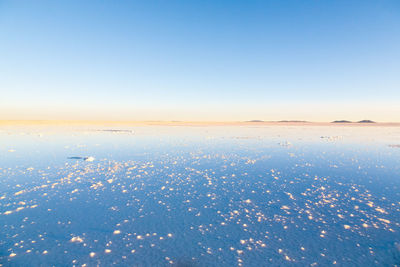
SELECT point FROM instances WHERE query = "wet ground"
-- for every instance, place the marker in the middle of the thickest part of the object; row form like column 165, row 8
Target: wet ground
column 200, row 196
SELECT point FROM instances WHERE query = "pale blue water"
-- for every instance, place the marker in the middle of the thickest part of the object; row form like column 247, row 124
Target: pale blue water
column 200, row 196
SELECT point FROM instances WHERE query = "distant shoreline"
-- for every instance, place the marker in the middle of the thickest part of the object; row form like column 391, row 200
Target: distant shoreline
column 190, row 123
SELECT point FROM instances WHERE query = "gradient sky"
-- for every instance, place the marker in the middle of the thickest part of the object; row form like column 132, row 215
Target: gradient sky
column 200, row 60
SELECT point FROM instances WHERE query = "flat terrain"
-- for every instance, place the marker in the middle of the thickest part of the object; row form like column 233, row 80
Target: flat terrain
column 224, row 194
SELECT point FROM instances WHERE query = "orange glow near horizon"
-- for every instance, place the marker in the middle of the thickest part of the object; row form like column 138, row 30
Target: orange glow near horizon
column 310, row 112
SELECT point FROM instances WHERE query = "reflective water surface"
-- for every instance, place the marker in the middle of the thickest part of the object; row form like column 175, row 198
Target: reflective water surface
column 199, row 196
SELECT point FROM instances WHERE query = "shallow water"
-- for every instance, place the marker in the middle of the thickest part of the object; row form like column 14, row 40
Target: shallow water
column 199, row 196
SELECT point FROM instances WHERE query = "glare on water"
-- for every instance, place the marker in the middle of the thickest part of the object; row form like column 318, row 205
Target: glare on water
column 200, row 196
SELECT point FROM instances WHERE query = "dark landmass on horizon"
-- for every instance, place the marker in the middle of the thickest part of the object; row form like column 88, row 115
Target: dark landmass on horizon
column 341, row 121
column 255, row 121
column 345, row 121
column 366, row 121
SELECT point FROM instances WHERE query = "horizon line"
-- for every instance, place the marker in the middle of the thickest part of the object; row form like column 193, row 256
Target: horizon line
column 194, row 122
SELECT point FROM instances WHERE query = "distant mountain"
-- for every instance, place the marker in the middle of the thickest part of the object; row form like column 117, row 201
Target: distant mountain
column 255, row 121
column 366, row 121
column 341, row 121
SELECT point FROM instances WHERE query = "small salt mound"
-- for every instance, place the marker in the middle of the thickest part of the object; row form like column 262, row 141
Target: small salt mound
column 90, row 159
column 76, row 239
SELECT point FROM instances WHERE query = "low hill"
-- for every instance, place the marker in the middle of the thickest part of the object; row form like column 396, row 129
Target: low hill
column 366, row 121
column 341, row 121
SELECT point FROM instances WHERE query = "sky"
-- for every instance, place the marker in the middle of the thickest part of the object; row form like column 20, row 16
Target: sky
column 200, row 60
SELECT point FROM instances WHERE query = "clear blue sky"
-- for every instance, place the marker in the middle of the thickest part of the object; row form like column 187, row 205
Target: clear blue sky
column 200, row 60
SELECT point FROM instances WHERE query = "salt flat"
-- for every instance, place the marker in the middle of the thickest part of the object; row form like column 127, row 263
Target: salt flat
column 199, row 195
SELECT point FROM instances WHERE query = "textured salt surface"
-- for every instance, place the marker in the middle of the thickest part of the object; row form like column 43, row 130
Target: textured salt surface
column 201, row 197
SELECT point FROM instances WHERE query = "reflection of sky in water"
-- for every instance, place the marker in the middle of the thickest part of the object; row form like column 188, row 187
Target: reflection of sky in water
column 200, row 196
